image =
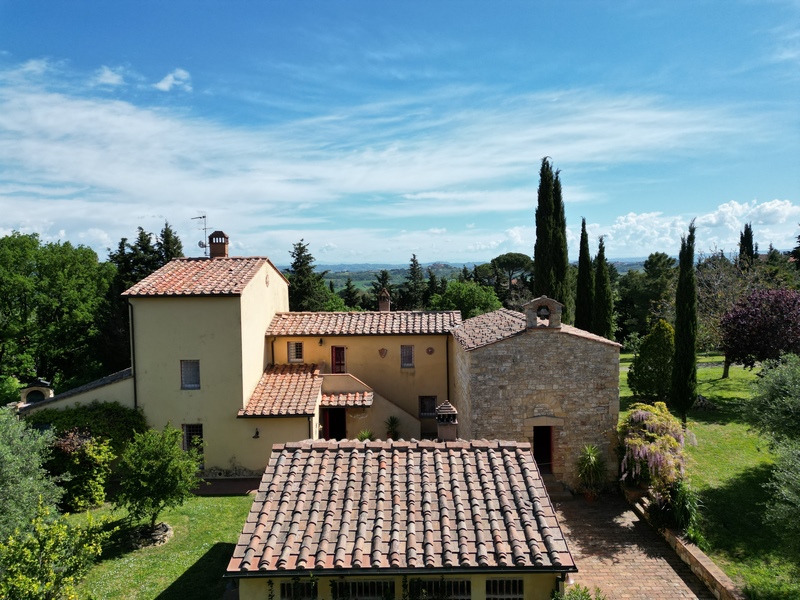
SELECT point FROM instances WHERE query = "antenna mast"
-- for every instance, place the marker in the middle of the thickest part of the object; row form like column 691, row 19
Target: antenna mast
column 204, row 242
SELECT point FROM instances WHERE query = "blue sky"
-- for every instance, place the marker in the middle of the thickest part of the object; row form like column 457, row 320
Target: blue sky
column 374, row 130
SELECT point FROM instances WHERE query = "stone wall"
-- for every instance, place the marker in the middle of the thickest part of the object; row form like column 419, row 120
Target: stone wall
column 548, row 377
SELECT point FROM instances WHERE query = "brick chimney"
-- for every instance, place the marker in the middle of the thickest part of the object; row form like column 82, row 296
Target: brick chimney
column 384, row 301
column 218, row 244
column 543, row 312
column 446, row 422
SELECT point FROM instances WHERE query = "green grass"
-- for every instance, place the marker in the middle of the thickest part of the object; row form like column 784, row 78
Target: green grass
column 729, row 465
column 190, row 565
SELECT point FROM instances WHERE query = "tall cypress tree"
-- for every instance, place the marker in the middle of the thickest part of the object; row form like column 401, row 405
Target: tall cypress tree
column 559, row 251
column 603, row 314
column 543, row 274
column 684, row 366
column 584, row 297
column 748, row 250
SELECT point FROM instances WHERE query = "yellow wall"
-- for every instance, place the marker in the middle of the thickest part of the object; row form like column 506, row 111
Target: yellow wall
column 401, row 386
column 253, row 454
column 120, row 391
column 536, row 586
column 374, row 419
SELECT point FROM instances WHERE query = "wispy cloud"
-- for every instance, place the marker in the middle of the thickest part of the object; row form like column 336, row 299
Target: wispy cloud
column 178, row 79
column 107, row 76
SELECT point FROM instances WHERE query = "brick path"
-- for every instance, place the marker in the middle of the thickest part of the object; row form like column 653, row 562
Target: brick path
column 622, row 555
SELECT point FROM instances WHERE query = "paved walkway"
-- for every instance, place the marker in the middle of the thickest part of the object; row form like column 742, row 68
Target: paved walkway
column 623, row 555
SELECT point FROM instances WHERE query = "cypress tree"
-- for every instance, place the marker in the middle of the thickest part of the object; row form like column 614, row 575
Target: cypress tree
column 603, row 314
column 747, row 247
column 559, row 251
column 415, row 287
column 543, row 274
column 684, row 370
column 584, row 297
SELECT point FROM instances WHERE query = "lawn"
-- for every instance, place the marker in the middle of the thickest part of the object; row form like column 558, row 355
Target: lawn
column 728, row 465
column 190, row 565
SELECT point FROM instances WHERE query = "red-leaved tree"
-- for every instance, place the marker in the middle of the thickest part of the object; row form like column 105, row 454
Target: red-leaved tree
column 763, row 325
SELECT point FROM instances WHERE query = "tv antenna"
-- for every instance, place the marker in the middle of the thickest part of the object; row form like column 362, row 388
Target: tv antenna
column 203, row 243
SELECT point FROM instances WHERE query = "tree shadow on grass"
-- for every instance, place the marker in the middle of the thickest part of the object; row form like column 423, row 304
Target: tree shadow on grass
column 203, row 580
column 733, row 524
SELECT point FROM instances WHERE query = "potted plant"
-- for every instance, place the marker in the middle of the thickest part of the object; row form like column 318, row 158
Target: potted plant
column 392, row 428
column 591, row 471
column 365, row 435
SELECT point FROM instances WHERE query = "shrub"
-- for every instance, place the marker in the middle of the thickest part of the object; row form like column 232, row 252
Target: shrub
column 652, row 444
column 650, row 374
column 579, row 592
column 108, row 420
column 155, row 473
column 365, row 435
column 783, row 509
column 392, row 427
column 83, row 464
column 591, row 469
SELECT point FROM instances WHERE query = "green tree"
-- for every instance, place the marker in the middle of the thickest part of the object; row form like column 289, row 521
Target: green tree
column 168, row 245
column 684, row 370
column 560, row 255
column 413, row 292
column 603, row 314
column 351, row 295
column 307, row 290
column 748, row 249
column 544, row 274
column 24, row 481
column 82, row 464
column 155, row 474
column 47, row 558
column 470, row 298
column 650, row 374
column 796, row 254
column 584, row 297
column 513, row 265
column 383, row 280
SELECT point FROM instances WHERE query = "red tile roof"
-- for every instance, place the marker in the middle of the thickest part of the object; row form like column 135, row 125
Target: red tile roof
column 368, row 506
column 200, row 277
column 347, row 399
column 364, row 323
column 285, row 390
column 502, row 324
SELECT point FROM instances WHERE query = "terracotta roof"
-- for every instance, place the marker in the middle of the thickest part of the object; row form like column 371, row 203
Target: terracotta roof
column 502, row 324
column 200, row 277
column 370, row 506
column 285, row 390
column 347, row 399
column 364, row 323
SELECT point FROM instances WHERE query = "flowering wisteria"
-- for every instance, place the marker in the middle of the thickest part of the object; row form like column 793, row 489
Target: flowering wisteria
column 653, row 442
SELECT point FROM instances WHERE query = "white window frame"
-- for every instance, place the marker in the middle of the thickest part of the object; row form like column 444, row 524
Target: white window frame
column 294, row 352
column 190, row 374
column 405, row 351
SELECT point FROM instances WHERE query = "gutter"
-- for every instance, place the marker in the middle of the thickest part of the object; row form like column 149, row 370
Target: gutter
column 561, row 572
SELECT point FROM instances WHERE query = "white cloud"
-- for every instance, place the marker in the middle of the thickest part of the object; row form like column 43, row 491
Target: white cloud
column 178, row 79
column 108, row 76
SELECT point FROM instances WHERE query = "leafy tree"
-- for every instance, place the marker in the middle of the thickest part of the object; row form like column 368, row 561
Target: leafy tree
column 413, row 292
column 383, row 280
column 650, row 374
column 465, row 274
column 46, row 559
column 24, row 481
column 307, row 290
column 796, row 254
column 584, row 298
column 470, row 298
column 684, row 366
column 513, row 265
column 155, row 474
column 764, row 325
column 644, row 296
column 603, row 314
column 748, row 249
column 82, row 464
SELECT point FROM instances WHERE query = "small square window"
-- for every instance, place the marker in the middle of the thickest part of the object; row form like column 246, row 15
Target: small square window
column 407, row 357
column 295, row 352
column 190, row 374
column 427, row 407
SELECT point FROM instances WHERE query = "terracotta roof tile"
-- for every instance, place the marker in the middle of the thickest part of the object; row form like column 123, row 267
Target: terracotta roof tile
column 348, row 505
column 285, row 390
column 347, row 399
column 364, row 323
column 200, row 277
column 502, row 324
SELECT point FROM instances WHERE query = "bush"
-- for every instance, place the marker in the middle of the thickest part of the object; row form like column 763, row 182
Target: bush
column 783, row 509
column 650, row 375
column 591, row 469
column 155, row 473
column 365, row 435
column 82, row 464
column 579, row 592
column 106, row 420
column 47, row 558
column 652, row 444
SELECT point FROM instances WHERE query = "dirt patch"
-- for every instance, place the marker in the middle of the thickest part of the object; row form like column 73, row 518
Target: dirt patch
column 144, row 537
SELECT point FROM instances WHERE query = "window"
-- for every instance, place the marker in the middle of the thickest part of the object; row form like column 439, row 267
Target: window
column 337, row 360
column 438, row 588
column 193, row 437
column 190, row 374
column 295, row 352
column 354, row 590
column 407, row 357
column 427, row 407
column 504, row 589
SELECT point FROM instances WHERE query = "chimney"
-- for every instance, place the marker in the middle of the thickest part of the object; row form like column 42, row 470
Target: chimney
column 384, row 301
column 543, row 309
column 218, row 244
column 446, row 422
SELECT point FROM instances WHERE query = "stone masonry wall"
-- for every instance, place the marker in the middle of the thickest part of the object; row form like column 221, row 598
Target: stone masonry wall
column 546, row 377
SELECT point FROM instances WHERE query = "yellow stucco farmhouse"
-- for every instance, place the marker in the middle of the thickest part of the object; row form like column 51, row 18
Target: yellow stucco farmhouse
column 216, row 352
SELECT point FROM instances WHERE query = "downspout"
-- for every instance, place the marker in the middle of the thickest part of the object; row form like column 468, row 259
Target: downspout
column 272, row 350
column 133, row 354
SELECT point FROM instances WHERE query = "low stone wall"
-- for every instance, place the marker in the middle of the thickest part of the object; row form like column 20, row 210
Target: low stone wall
column 703, row 567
